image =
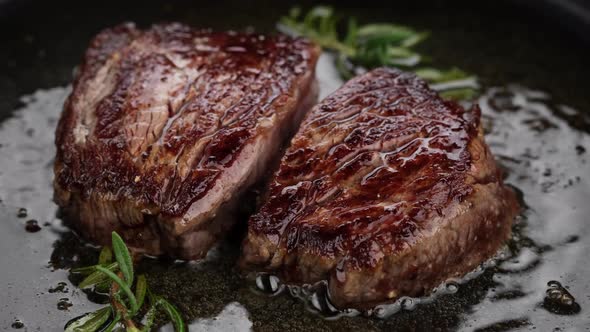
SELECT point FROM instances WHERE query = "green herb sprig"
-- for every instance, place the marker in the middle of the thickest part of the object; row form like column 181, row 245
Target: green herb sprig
column 375, row 45
column 118, row 278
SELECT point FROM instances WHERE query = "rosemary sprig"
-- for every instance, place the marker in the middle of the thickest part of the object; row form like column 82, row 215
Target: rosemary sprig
column 374, row 45
column 90, row 322
column 123, row 257
column 125, row 304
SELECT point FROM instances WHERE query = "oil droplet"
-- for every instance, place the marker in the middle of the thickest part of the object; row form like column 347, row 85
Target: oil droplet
column 451, row 287
column 32, row 226
column 64, row 304
column 22, row 213
column 558, row 300
column 379, row 312
column 408, row 303
column 61, row 287
column 294, row 290
column 572, row 239
column 268, row 283
column 18, row 324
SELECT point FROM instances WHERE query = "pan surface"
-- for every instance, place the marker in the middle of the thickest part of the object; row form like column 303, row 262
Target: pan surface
column 536, row 110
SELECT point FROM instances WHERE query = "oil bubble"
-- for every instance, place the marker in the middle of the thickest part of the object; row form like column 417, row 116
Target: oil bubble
column 408, row 303
column 22, row 213
column 559, row 300
column 32, row 226
column 18, row 324
column 64, row 304
column 451, row 287
column 61, row 287
column 268, row 283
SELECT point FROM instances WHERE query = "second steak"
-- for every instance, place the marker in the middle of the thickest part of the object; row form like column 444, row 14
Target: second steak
column 386, row 191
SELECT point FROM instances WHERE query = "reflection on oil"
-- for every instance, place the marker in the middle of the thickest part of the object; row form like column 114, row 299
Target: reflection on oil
column 539, row 151
column 26, row 153
column 545, row 159
column 234, row 317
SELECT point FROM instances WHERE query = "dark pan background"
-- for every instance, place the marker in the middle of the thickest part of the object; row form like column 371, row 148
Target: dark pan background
column 541, row 44
column 43, row 40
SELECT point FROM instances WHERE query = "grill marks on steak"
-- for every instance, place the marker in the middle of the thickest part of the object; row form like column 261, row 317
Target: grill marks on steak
column 386, row 190
column 166, row 127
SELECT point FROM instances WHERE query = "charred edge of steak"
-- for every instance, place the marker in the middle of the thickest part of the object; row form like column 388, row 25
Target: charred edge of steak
column 166, row 128
column 334, row 214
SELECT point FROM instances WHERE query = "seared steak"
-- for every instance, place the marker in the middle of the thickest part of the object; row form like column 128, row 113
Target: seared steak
column 165, row 129
column 386, row 190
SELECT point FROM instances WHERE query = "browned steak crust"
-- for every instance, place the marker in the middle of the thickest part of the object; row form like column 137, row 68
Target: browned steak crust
column 386, row 190
column 166, row 127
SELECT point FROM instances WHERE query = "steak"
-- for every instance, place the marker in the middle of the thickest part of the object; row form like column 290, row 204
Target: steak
column 166, row 128
column 387, row 190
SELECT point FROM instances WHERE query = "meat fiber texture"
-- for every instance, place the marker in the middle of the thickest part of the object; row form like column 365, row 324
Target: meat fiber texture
column 166, row 128
column 387, row 190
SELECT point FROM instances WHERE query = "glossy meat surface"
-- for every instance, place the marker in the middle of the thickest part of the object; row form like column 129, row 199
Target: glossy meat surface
column 379, row 177
column 166, row 126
